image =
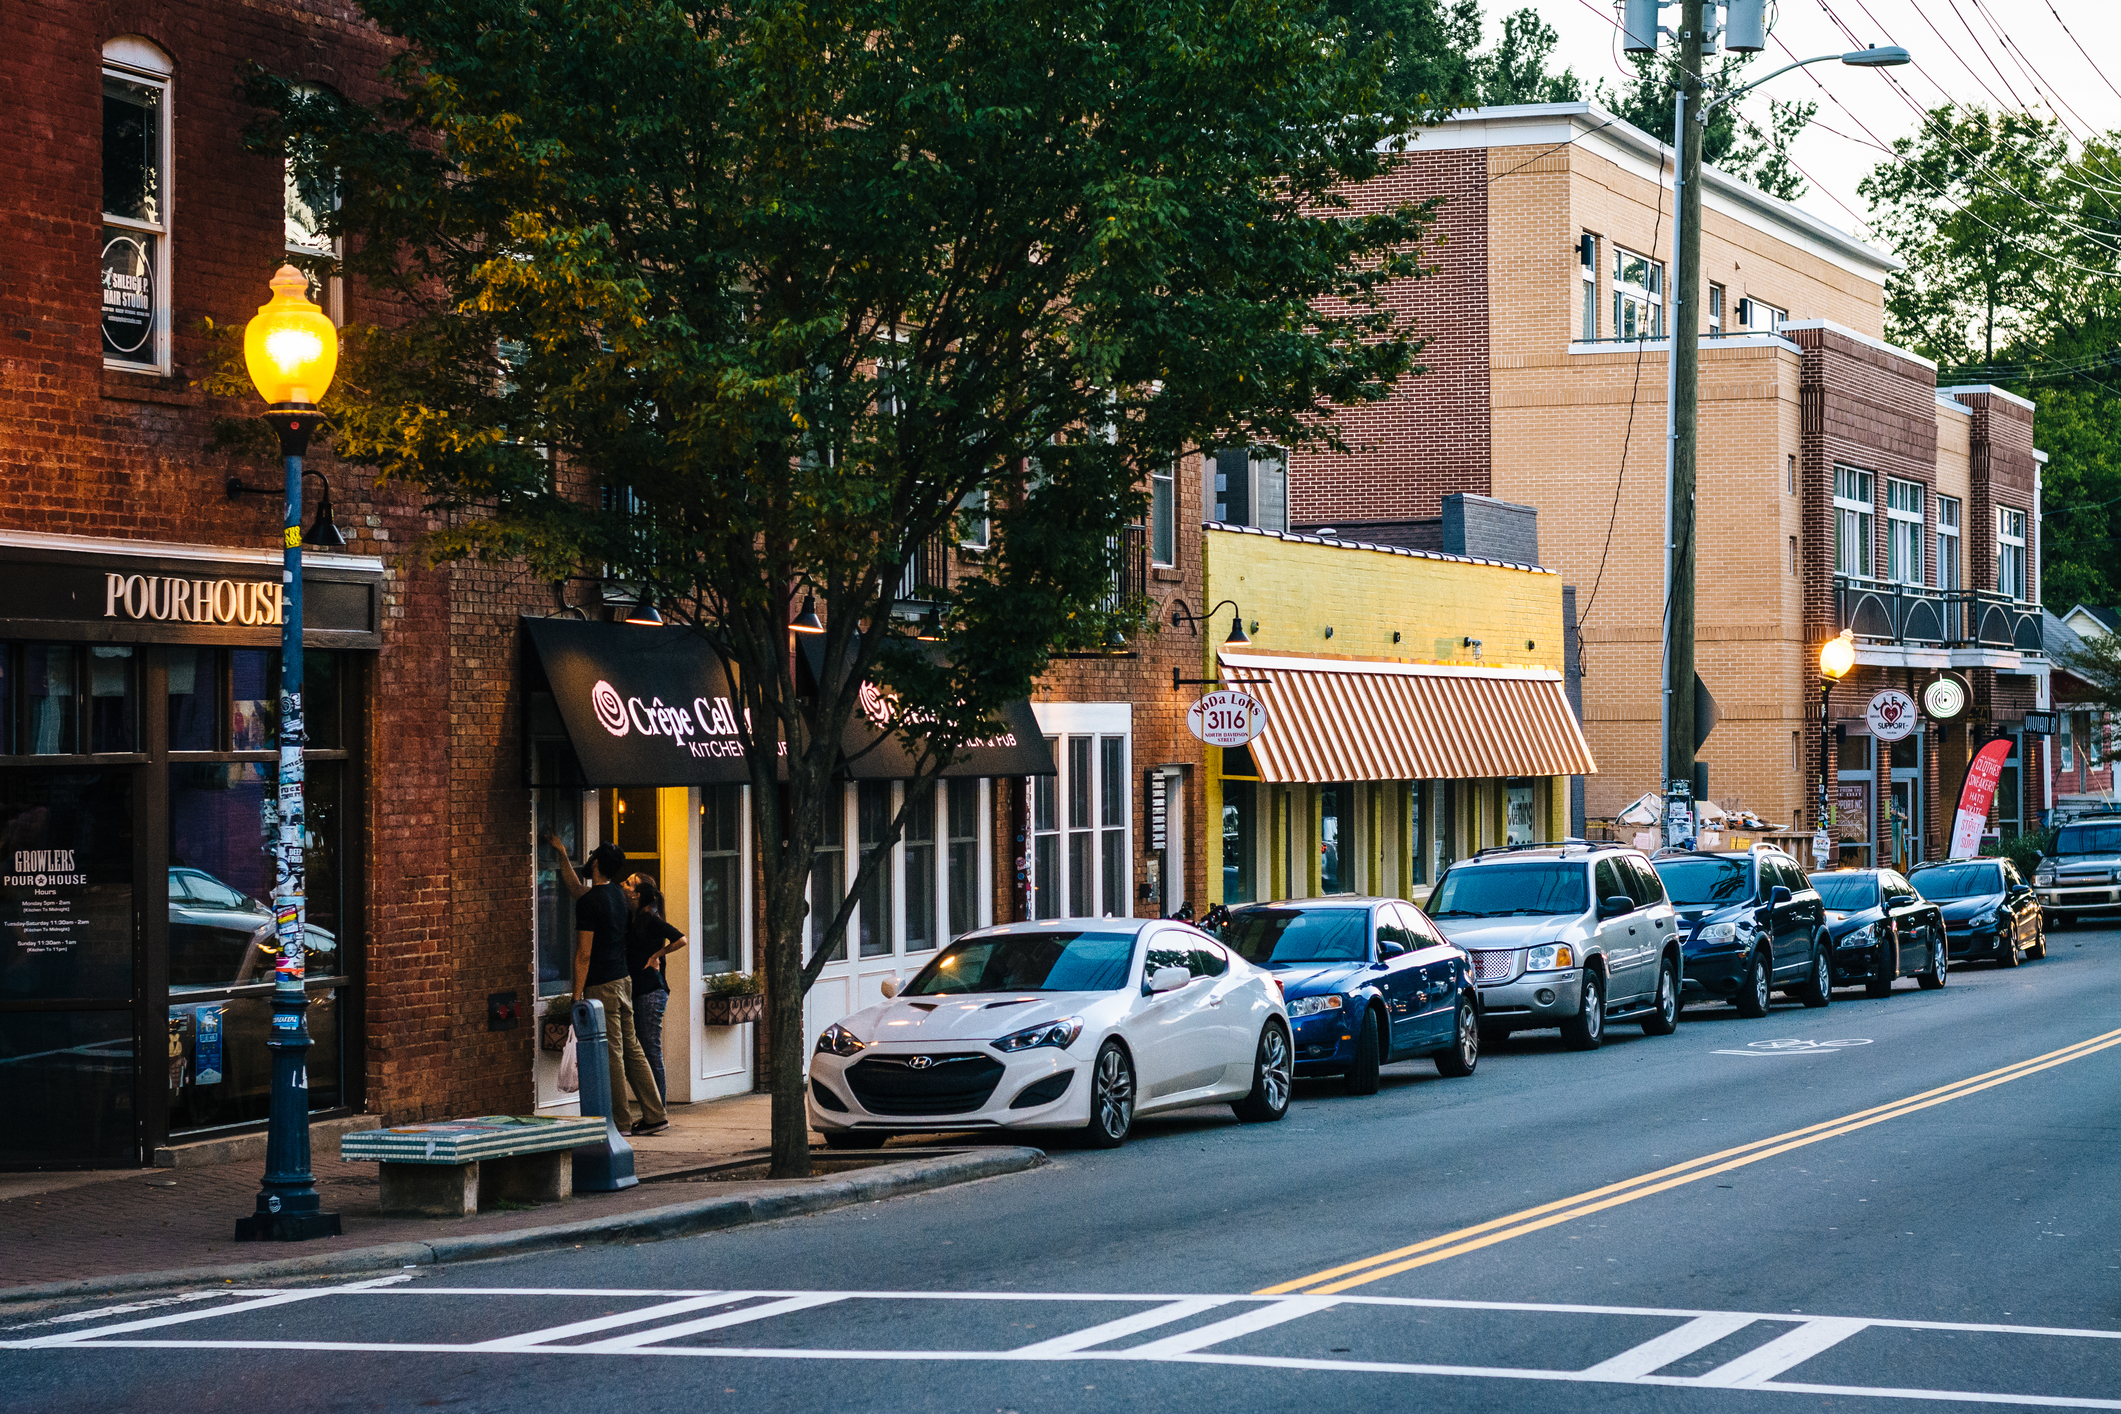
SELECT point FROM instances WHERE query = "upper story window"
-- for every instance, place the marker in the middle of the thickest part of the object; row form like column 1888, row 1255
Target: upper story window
column 1761, row 316
column 1903, row 544
column 1638, row 296
column 2010, row 552
column 1949, row 573
column 306, row 204
column 1855, row 505
column 1251, row 487
column 975, row 527
column 1587, row 260
column 1715, row 309
column 136, row 205
column 1163, row 514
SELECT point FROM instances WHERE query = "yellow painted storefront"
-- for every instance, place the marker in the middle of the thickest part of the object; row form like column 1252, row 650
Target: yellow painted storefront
column 1346, row 791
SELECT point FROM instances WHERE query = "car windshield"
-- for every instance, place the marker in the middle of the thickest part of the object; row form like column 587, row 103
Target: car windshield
column 1950, row 881
column 1536, row 887
column 1267, row 936
column 1850, row 892
column 2101, row 838
column 1707, row 880
column 1028, row 962
column 206, row 889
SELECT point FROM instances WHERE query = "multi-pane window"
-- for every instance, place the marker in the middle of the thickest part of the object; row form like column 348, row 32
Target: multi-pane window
column 975, row 526
column 828, row 880
column 872, row 815
column 1715, row 309
column 1251, row 487
column 1081, row 856
column 1587, row 259
column 136, row 207
column 1762, row 316
column 1950, row 575
column 918, row 848
column 1163, row 515
column 962, row 803
column 1903, row 531
column 1855, row 501
column 721, row 878
column 2010, row 552
column 1638, row 296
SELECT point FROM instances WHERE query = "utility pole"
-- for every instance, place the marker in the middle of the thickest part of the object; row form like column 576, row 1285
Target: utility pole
column 1682, row 297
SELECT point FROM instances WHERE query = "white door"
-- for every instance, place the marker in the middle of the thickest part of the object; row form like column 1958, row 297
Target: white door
column 1178, row 1040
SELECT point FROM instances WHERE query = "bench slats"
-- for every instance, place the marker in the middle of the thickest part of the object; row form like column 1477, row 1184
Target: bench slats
column 462, row 1141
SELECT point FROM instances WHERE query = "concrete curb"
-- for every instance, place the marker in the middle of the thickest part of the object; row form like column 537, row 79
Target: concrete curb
column 651, row 1225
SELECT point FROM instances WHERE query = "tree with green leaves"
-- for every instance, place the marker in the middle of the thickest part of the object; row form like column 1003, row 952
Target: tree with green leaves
column 1433, row 61
column 739, row 304
column 1732, row 141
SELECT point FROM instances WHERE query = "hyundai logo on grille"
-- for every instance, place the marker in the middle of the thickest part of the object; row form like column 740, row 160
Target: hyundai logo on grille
column 920, row 1063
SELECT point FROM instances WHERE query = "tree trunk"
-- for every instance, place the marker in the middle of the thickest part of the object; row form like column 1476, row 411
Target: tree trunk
column 784, row 1043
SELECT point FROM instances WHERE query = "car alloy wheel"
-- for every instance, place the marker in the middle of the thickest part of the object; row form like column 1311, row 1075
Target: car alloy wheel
column 1369, row 1055
column 2040, row 938
column 1463, row 1054
column 1111, row 1097
column 1273, row 1074
column 1586, row 1029
column 2008, row 953
column 1752, row 998
column 1820, row 990
column 1663, row 1019
column 1933, row 975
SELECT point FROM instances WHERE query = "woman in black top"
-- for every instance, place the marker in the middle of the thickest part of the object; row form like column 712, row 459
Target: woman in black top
column 649, row 938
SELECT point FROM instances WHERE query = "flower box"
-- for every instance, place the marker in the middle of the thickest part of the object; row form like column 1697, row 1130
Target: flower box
column 734, row 1009
column 552, row 1033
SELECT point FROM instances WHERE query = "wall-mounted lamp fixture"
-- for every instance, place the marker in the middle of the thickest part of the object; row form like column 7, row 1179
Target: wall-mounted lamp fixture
column 1470, row 642
column 1329, row 630
column 931, row 627
column 322, row 533
column 1238, row 637
column 644, row 613
column 806, row 619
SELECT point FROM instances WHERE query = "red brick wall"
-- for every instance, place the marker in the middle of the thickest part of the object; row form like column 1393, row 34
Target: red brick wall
column 1432, row 436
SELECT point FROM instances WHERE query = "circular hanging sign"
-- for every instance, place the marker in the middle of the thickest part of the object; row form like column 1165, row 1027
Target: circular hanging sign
column 1944, row 698
column 1227, row 718
column 1891, row 715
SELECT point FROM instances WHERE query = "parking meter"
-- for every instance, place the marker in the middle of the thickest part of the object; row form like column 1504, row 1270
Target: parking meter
column 606, row 1166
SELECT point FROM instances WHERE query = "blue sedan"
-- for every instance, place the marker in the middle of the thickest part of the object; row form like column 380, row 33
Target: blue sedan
column 1368, row 981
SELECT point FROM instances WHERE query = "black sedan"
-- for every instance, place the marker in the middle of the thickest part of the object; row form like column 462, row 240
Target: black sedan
column 1989, row 910
column 1753, row 925
column 1883, row 929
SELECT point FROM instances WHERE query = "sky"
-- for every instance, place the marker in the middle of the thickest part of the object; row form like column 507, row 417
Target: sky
column 1990, row 53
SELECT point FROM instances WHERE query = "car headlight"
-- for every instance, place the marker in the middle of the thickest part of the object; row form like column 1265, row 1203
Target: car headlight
column 837, row 1040
column 1857, row 937
column 2044, row 877
column 1718, row 933
column 1548, row 958
column 1311, row 1006
column 1060, row 1033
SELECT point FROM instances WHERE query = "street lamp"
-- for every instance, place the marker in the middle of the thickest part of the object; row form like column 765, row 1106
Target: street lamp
column 1836, row 656
column 291, row 350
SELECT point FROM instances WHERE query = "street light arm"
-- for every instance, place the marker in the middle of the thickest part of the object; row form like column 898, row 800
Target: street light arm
column 1886, row 57
column 1714, row 104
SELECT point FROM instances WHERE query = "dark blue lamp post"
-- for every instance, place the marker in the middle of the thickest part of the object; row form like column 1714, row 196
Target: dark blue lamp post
column 291, row 350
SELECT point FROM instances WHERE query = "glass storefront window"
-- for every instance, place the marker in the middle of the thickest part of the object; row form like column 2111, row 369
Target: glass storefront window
column 48, row 725
column 66, row 893
column 1240, row 821
column 68, row 1076
column 963, row 796
column 827, row 880
column 1045, row 838
column 920, row 871
column 872, row 808
column 192, row 699
column 721, row 880
column 110, row 698
column 1335, row 812
column 1414, row 850
column 558, row 811
column 254, row 706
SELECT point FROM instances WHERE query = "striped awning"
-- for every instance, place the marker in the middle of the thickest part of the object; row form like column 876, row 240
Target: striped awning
column 1336, row 720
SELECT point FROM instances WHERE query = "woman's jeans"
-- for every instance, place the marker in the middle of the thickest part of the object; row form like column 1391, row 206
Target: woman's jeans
column 648, row 1025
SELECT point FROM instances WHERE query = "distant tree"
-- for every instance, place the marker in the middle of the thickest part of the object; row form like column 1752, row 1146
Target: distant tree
column 1732, row 141
column 784, row 284
column 1434, row 61
column 1515, row 70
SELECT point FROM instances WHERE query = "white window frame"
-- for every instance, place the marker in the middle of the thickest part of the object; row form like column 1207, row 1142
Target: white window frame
column 1098, row 721
column 134, row 60
column 1163, row 515
column 1855, row 524
column 1645, row 294
column 1903, row 531
column 1587, row 260
column 2068, row 744
column 1760, row 317
column 1951, row 569
column 974, row 513
column 2010, row 552
column 1716, row 296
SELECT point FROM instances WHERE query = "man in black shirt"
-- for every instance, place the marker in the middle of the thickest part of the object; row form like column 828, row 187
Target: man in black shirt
column 600, row 974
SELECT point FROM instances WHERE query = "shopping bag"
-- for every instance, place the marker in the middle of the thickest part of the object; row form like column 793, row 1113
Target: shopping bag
column 570, row 1073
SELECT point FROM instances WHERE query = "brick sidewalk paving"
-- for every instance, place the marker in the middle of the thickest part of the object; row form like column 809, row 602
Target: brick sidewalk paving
column 163, row 1219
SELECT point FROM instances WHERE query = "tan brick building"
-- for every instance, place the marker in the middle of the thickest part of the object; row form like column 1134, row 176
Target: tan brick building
column 1838, row 486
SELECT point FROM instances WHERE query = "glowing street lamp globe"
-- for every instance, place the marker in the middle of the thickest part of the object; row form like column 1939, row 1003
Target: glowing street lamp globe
column 1837, row 656
column 290, row 346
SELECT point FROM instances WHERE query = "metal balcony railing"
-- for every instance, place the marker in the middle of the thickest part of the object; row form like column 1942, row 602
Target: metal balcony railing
column 1938, row 618
column 926, row 576
column 1130, row 577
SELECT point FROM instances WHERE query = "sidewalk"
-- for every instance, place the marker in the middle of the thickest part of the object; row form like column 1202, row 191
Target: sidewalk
column 65, row 1227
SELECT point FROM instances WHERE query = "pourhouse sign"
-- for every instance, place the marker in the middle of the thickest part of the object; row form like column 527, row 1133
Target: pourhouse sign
column 50, row 589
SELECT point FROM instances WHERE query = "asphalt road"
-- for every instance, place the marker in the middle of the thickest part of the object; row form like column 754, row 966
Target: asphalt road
column 1741, row 1216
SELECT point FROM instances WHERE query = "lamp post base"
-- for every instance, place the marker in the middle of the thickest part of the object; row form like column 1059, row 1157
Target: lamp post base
column 286, row 1227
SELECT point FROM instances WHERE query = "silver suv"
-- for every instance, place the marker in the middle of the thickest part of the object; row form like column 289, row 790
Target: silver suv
column 2083, row 875
column 1571, row 935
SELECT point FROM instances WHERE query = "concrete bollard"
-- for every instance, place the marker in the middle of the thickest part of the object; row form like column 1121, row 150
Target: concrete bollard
column 608, row 1166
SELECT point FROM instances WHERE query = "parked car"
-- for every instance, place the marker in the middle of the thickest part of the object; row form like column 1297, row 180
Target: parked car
column 1753, row 925
column 1075, row 1023
column 1989, row 910
column 2083, row 876
column 220, row 936
column 1569, row 935
column 1367, row 981
column 1883, row 930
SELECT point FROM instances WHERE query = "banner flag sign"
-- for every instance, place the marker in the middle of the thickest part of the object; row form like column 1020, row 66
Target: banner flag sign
column 1976, row 796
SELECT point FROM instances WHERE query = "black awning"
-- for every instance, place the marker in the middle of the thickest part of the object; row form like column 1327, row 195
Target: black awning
column 874, row 752
column 641, row 706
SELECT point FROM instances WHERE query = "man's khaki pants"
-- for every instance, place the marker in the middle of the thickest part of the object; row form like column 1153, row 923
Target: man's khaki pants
column 629, row 1063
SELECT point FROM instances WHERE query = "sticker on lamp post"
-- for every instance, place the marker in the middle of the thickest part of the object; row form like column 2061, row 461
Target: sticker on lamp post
column 1227, row 718
column 1891, row 715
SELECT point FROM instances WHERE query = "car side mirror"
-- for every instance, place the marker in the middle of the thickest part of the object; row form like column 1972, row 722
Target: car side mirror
column 1390, row 949
column 890, row 987
column 1779, row 894
column 1165, row 979
column 1613, row 905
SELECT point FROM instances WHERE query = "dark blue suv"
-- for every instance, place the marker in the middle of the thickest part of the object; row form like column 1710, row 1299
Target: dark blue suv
column 1367, row 980
column 1753, row 925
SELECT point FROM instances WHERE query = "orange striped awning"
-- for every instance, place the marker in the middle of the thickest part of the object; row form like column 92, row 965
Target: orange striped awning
column 1336, row 720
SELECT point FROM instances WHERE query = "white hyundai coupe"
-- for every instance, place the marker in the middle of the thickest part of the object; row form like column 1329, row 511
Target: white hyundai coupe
column 1072, row 1023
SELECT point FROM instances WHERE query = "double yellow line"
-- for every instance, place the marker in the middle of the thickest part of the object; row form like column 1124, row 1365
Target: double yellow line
column 1561, row 1210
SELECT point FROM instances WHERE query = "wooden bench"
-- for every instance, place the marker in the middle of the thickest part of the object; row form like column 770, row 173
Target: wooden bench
column 455, row 1168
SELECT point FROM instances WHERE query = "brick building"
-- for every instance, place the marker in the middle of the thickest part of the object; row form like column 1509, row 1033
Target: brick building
column 1838, row 485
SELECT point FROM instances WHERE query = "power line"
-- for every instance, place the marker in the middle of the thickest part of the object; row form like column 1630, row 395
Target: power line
column 2036, row 78
column 2080, row 49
